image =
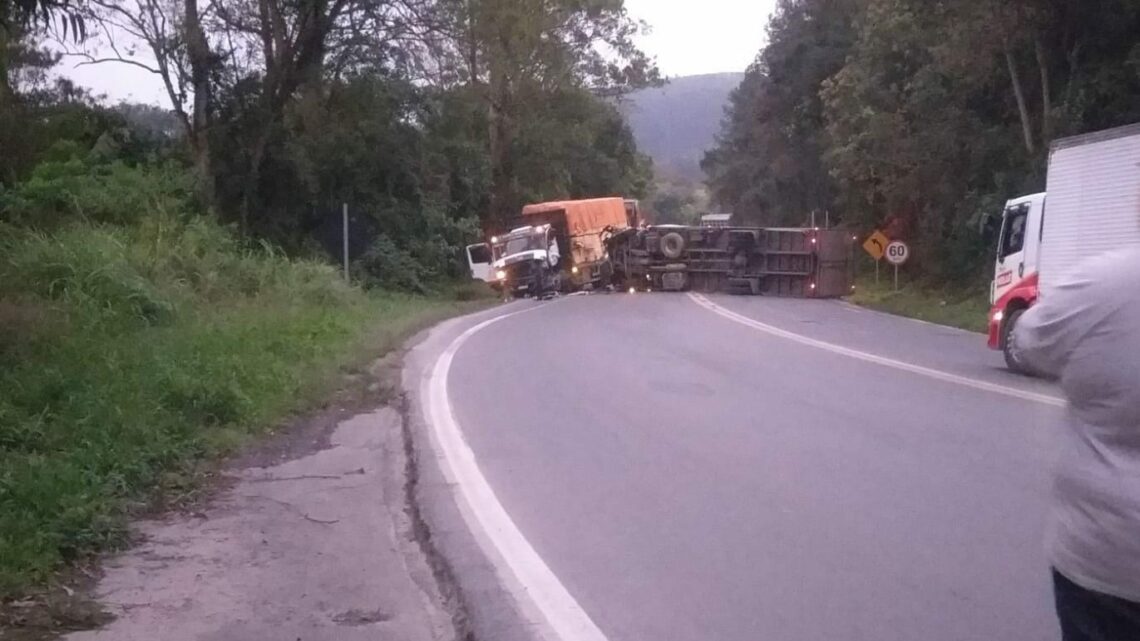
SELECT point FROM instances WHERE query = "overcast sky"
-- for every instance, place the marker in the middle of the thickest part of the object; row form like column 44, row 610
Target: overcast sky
column 706, row 36
column 703, row 36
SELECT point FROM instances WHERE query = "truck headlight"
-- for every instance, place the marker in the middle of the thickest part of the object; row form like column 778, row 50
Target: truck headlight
column 501, row 274
column 574, row 269
column 999, row 315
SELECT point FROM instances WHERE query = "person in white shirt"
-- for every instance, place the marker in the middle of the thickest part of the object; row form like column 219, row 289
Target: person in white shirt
column 1086, row 332
column 552, row 254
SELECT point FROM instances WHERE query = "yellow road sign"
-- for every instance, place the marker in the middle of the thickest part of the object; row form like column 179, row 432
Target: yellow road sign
column 876, row 244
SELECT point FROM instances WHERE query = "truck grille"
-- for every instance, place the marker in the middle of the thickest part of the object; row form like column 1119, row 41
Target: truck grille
column 521, row 270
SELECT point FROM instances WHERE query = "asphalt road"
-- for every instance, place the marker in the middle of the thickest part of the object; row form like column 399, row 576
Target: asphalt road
column 687, row 477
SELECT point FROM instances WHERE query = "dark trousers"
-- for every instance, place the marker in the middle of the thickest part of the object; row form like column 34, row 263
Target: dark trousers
column 1092, row 616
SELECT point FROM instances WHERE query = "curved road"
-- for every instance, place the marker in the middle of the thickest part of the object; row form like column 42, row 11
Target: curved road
column 690, row 476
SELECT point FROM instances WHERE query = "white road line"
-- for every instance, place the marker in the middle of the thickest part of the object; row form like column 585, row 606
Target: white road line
column 531, row 582
column 878, row 360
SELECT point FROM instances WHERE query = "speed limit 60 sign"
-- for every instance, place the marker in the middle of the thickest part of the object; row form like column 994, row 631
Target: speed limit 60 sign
column 897, row 252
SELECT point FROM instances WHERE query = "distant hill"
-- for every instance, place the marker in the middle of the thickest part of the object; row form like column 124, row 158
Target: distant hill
column 676, row 123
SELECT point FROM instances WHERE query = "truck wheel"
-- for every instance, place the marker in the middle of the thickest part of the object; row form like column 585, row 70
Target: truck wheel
column 672, row 245
column 1009, row 345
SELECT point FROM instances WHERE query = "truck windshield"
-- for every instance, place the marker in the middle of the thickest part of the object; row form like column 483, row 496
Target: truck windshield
column 519, row 244
column 1013, row 230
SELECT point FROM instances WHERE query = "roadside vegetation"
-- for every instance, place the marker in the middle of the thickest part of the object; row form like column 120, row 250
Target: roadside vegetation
column 953, row 306
column 139, row 340
column 170, row 281
column 128, row 356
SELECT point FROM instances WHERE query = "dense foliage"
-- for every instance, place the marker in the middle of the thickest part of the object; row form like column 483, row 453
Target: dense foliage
column 920, row 116
column 431, row 125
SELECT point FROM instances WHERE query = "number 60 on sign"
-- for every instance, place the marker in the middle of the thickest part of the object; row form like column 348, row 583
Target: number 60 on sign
column 897, row 252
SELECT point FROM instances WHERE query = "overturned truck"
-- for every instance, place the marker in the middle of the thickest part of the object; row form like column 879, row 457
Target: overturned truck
column 809, row 263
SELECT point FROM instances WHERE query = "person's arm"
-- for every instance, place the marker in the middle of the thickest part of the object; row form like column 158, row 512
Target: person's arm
column 554, row 254
column 1048, row 332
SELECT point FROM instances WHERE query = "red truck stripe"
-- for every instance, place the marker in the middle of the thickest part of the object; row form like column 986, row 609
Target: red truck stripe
column 1025, row 292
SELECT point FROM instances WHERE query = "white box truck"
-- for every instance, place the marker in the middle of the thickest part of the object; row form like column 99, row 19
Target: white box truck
column 1091, row 205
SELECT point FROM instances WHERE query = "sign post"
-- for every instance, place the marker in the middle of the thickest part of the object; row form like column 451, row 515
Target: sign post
column 897, row 254
column 876, row 246
column 344, row 227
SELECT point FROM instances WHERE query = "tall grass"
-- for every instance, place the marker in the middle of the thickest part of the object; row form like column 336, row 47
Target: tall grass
column 964, row 308
column 130, row 354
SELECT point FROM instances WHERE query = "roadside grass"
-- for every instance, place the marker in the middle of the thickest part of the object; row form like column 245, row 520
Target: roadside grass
column 962, row 308
column 131, row 357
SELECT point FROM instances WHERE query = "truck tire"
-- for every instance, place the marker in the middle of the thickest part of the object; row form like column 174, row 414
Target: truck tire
column 1009, row 345
column 672, row 245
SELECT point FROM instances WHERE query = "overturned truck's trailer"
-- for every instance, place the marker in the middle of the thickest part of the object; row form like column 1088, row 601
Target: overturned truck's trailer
column 809, row 263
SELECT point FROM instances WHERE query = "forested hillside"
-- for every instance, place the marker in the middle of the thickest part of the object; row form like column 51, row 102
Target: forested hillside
column 918, row 116
column 677, row 123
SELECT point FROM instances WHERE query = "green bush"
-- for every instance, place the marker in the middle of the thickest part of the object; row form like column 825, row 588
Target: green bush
column 387, row 266
column 441, row 247
column 422, row 259
column 80, row 189
column 87, row 269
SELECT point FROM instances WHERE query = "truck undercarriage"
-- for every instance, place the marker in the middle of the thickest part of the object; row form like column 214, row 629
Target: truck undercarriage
column 810, row 263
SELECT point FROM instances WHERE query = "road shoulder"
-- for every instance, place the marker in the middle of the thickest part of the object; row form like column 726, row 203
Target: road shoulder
column 464, row 564
column 308, row 534
column 307, row 538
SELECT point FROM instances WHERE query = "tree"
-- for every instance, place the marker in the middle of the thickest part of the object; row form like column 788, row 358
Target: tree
column 16, row 15
column 920, row 116
column 180, row 54
column 47, row 118
column 262, row 51
column 570, row 144
column 402, row 107
column 932, row 137
column 518, row 53
column 19, row 18
column 766, row 165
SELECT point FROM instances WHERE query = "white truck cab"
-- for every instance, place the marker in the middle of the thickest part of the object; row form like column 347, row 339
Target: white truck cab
column 1093, row 206
column 488, row 262
column 1014, row 287
column 1019, row 244
column 524, row 260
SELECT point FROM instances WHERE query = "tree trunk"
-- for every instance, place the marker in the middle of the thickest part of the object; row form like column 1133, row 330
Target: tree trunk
column 198, row 53
column 10, row 131
column 252, row 181
column 501, row 137
column 1071, row 82
column 7, row 94
column 472, row 47
column 1046, row 91
column 1023, row 110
